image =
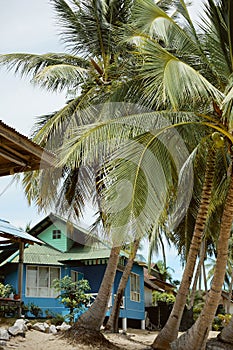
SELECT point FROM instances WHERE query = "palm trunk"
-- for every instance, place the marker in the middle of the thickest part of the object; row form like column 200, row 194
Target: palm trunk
column 93, row 318
column 196, row 337
column 202, row 259
column 200, row 279
column 112, row 324
column 170, row 331
column 204, row 277
column 197, row 274
column 194, row 287
column 163, row 250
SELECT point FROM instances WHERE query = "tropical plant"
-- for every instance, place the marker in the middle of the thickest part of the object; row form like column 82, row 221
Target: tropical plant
column 186, row 77
column 72, row 294
column 5, row 290
column 180, row 53
column 35, row 310
column 164, row 271
column 168, row 298
column 89, row 30
column 212, row 36
column 221, row 321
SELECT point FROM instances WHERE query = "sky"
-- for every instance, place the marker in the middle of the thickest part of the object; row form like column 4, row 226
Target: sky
column 29, row 26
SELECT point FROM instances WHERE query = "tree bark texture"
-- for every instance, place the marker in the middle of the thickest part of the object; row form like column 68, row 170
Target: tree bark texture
column 196, row 336
column 93, row 318
column 170, row 331
column 112, row 324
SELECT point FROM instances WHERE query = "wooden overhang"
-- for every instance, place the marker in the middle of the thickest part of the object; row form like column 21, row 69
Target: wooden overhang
column 20, row 154
column 10, row 233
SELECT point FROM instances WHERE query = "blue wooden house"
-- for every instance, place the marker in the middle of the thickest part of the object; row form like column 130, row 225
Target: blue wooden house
column 70, row 250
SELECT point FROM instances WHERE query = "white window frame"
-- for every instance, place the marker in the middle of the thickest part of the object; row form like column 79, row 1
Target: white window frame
column 122, row 306
column 135, row 287
column 36, row 289
column 75, row 274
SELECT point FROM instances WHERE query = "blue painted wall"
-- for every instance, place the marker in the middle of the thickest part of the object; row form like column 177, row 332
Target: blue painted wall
column 133, row 309
column 94, row 274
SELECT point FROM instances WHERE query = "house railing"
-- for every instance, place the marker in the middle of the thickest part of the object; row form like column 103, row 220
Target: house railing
column 94, row 295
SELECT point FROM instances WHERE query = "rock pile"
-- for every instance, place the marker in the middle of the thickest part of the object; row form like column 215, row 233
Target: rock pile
column 21, row 326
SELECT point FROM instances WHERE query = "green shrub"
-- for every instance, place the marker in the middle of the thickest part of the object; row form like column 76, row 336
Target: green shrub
column 5, row 290
column 35, row 310
column 54, row 318
column 220, row 321
column 165, row 297
column 72, row 294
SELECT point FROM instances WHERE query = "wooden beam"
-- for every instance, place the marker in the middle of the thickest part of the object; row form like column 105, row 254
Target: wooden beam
column 10, row 156
column 20, row 274
column 10, row 149
column 16, row 239
column 27, row 145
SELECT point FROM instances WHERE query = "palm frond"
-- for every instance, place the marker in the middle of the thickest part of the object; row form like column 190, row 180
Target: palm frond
column 50, row 130
column 170, row 81
column 60, row 77
column 141, row 185
column 218, row 14
column 32, row 64
column 77, row 190
column 87, row 26
column 162, row 27
column 116, row 127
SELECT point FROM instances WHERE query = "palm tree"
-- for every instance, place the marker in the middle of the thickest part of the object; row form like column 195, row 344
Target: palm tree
column 170, row 331
column 196, row 336
column 94, row 65
column 156, row 55
column 112, row 324
column 93, row 68
column 176, row 97
column 176, row 78
column 182, row 64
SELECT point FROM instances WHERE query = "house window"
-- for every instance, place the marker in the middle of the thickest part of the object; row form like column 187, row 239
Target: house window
column 39, row 281
column 56, row 234
column 76, row 276
column 134, row 287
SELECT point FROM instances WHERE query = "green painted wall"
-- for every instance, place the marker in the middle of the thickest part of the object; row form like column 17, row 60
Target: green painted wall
column 63, row 243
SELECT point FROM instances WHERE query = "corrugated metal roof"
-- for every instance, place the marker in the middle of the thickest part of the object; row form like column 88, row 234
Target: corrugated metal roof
column 15, row 234
column 40, row 255
column 46, row 255
column 85, row 254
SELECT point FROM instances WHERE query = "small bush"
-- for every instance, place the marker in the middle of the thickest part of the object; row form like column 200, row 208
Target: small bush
column 5, row 290
column 220, row 321
column 57, row 320
column 35, row 310
column 72, row 294
column 165, row 297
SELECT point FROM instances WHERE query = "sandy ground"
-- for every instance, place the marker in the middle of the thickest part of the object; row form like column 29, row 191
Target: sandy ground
column 35, row 340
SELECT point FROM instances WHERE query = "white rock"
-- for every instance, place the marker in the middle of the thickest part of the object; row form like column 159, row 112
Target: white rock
column 21, row 324
column 14, row 330
column 4, row 335
column 2, row 344
column 64, row 327
column 53, row 329
column 39, row 327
